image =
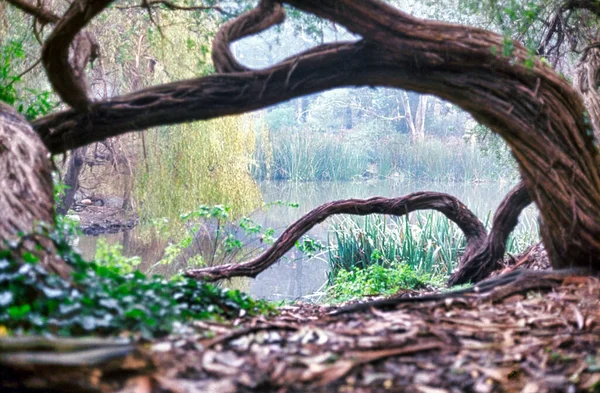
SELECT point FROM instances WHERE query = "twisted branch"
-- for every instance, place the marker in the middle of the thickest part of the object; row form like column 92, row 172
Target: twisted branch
column 477, row 263
column 43, row 15
column 69, row 81
column 267, row 14
column 451, row 207
column 532, row 108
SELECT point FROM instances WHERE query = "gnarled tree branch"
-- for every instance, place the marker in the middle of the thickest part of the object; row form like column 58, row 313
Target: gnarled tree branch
column 69, row 81
column 477, row 263
column 267, row 14
column 448, row 205
column 532, row 108
column 40, row 13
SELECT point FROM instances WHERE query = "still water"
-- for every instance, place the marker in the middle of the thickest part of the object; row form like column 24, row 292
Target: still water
column 296, row 277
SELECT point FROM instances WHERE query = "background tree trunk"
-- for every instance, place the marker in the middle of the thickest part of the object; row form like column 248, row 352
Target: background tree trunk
column 71, row 179
column 585, row 82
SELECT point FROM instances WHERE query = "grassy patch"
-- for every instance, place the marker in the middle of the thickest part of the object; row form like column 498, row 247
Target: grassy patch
column 380, row 255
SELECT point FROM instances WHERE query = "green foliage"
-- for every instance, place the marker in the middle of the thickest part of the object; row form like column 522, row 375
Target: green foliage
column 310, row 246
column 430, row 244
column 110, row 255
column 102, row 300
column 308, row 155
column 375, row 279
column 212, row 238
column 194, row 164
column 29, row 102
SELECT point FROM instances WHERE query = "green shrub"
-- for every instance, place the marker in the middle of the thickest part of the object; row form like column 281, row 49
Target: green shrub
column 430, row 244
column 375, row 279
column 383, row 254
column 103, row 300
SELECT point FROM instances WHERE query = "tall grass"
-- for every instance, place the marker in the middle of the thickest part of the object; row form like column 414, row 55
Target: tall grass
column 308, row 155
column 426, row 241
column 433, row 159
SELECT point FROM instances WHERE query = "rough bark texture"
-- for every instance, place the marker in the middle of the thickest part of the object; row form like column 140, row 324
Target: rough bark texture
column 586, row 81
column 477, row 263
column 66, row 75
column 448, row 205
column 26, row 197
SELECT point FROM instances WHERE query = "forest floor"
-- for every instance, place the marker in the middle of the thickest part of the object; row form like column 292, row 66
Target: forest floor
column 515, row 341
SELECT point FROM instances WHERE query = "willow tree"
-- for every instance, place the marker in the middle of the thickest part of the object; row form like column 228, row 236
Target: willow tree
column 535, row 110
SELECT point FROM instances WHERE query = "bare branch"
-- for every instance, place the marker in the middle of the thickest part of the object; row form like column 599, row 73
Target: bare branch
column 30, row 68
column 590, row 5
column 69, row 82
column 174, row 7
column 208, row 97
column 451, row 207
column 267, row 14
column 41, row 14
column 477, row 263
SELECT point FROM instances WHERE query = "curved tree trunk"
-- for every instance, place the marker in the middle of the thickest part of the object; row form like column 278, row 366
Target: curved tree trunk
column 26, row 196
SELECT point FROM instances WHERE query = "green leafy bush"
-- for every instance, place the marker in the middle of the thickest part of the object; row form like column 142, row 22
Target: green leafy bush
column 102, row 300
column 111, row 255
column 375, row 279
column 31, row 104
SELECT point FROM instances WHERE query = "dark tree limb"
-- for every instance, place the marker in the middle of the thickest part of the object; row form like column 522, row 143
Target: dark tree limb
column 43, row 15
column 174, row 7
column 590, row 5
column 267, row 14
column 67, row 79
column 448, row 205
column 477, row 263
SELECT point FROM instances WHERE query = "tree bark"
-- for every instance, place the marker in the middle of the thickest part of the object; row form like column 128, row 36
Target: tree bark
column 26, row 196
column 477, row 263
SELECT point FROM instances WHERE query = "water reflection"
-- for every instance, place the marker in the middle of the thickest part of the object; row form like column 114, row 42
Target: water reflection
column 294, row 276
